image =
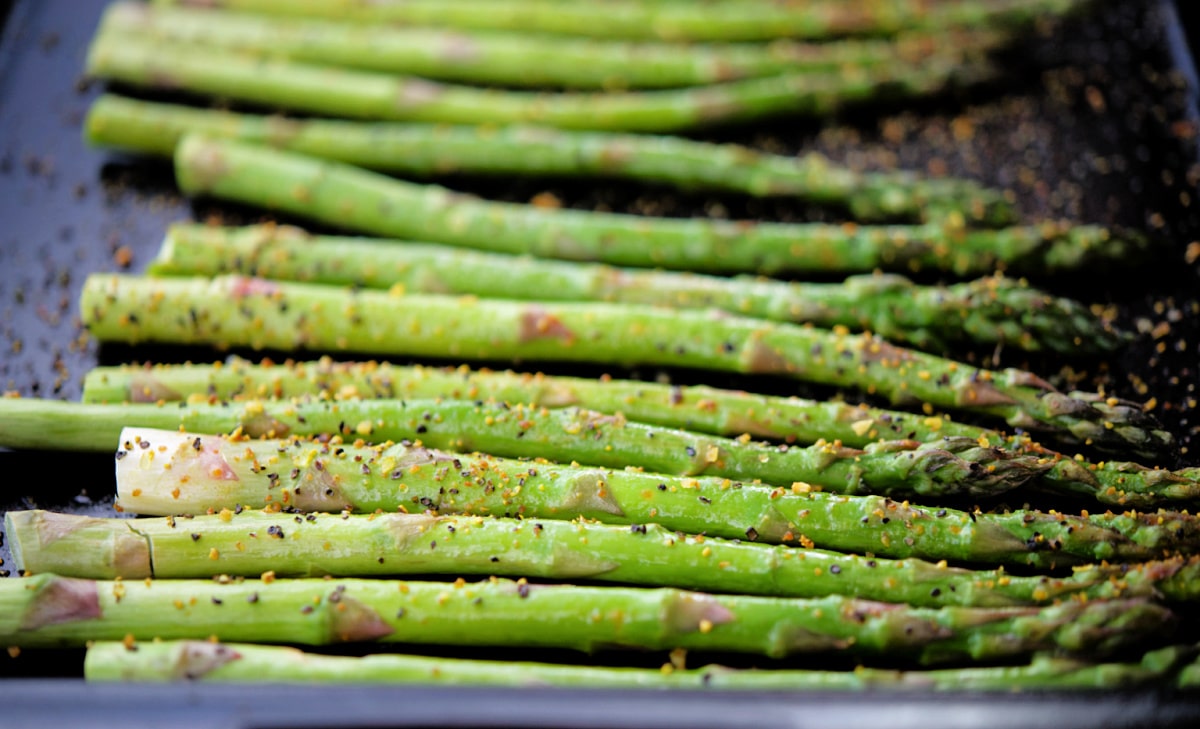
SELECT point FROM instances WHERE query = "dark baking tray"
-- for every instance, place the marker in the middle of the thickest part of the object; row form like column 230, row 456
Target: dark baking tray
column 1108, row 134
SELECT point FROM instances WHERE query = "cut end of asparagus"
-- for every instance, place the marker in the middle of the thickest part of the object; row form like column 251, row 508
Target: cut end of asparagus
column 46, row 541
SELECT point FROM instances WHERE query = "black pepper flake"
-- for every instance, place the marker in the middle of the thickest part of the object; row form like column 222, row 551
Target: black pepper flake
column 272, row 480
column 835, row 569
column 704, row 499
column 457, row 465
column 422, row 429
column 295, row 473
column 253, row 598
column 941, row 512
column 275, row 531
column 662, row 487
column 433, row 545
column 638, row 528
column 872, row 563
column 523, row 590
column 935, row 592
column 238, row 508
column 196, row 443
column 195, row 537
column 121, row 454
column 752, row 534
column 495, row 559
column 306, row 609
column 690, row 451
column 217, row 601
column 400, row 613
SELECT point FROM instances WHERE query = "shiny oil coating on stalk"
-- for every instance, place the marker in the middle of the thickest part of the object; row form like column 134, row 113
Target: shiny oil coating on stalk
column 245, row 663
column 239, row 311
column 992, row 310
column 428, row 149
column 49, row 610
column 727, row 20
column 168, row 472
column 245, row 542
column 696, row 408
column 360, row 200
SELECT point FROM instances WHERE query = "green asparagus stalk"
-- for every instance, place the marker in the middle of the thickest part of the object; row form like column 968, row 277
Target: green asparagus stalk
column 242, row 543
column 237, row 311
column 425, row 149
column 171, row 472
column 339, row 92
column 246, row 663
column 727, row 20
column 992, row 311
column 703, row 409
column 518, row 59
column 369, row 202
column 49, row 610
column 953, row 466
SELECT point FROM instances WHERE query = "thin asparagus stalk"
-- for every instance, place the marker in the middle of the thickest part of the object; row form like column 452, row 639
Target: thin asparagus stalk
column 238, row 311
column 49, row 610
column 339, row 92
column 517, row 59
column 992, row 310
column 426, row 149
column 703, row 409
column 171, row 472
column 348, row 197
column 246, row 663
column 241, row 543
column 669, row 20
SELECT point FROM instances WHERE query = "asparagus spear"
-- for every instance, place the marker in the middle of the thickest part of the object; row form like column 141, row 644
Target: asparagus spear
column 238, row 311
column 993, row 310
column 398, row 544
column 161, row 65
column 241, row 663
column 426, row 149
column 703, row 409
column 49, row 610
column 727, row 20
column 518, row 59
column 170, row 472
column 348, row 197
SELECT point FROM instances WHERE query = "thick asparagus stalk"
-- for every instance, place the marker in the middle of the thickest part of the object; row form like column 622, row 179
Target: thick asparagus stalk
column 518, row 59
column 237, row 311
column 993, row 310
column 369, row 202
column 426, row 149
column 727, row 20
column 702, row 409
column 245, row 663
column 338, row 92
column 244, row 543
column 170, row 472
column 49, row 610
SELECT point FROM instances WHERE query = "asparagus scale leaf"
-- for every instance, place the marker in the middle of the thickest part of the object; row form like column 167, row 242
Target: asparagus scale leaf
column 352, row 198
column 169, row 472
column 993, row 310
column 239, row 311
column 246, row 663
column 698, row 408
column 246, row 543
column 50, row 610
column 426, row 149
